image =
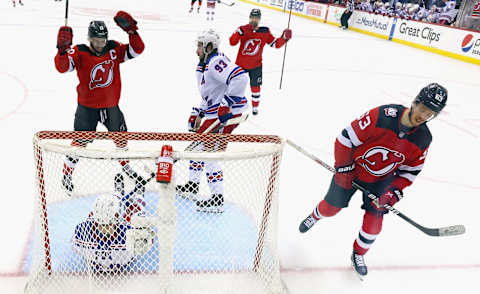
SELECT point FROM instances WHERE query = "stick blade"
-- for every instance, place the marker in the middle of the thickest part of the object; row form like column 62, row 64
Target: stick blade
column 451, row 231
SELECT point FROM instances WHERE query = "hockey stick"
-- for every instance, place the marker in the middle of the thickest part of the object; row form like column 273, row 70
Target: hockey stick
column 228, row 4
column 214, row 125
column 435, row 232
column 285, row 51
column 66, row 13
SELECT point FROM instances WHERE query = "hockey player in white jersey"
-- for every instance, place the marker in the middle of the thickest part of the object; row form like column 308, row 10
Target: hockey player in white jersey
column 106, row 239
column 222, row 86
column 447, row 13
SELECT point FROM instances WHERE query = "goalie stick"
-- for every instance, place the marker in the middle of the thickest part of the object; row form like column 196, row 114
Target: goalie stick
column 434, row 232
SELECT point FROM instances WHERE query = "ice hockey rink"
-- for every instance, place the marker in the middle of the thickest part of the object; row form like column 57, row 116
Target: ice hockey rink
column 330, row 77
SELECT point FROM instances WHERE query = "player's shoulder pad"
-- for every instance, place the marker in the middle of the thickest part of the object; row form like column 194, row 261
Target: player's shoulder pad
column 422, row 137
column 263, row 30
column 83, row 48
column 112, row 44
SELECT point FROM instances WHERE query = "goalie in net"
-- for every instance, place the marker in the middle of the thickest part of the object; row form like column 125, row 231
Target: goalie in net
column 107, row 239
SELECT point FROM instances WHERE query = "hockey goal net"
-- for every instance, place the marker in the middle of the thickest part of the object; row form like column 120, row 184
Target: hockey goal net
column 213, row 229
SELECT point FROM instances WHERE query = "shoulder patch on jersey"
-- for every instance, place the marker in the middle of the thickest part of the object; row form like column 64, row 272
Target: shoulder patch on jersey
column 389, row 115
column 263, row 30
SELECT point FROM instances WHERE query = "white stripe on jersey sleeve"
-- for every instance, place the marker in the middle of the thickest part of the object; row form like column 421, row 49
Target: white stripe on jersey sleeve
column 344, row 141
column 71, row 64
column 411, row 168
column 407, row 176
column 353, row 137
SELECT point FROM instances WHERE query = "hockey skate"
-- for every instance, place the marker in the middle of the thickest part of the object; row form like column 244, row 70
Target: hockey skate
column 67, row 183
column 198, row 10
column 212, row 205
column 191, row 9
column 254, row 110
column 20, row 2
column 307, row 224
column 188, row 191
column 358, row 264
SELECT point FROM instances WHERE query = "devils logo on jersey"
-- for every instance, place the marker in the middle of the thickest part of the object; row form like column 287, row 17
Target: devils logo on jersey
column 101, row 75
column 380, row 161
column 251, row 47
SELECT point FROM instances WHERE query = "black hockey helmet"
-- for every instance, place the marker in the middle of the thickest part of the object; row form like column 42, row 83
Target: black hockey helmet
column 433, row 96
column 97, row 29
column 256, row 13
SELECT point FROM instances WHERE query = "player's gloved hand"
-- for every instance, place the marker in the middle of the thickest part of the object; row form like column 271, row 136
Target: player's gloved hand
column 224, row 114
column 126, row 22
column 344, row 175
column 287, row 34
column 390, row 197
column 64, row 39
column 194, row 119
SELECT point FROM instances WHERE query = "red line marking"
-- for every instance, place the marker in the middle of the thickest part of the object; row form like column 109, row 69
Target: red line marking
column 25, row 94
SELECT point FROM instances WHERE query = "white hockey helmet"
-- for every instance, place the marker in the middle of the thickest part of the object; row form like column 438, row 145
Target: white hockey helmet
column 209, row 37
column 106, row 209
column 398, row 5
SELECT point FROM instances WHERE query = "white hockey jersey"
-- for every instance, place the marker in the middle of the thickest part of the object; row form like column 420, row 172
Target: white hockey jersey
column 221, row 83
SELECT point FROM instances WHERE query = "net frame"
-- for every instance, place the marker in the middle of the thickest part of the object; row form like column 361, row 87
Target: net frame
column 154, row 136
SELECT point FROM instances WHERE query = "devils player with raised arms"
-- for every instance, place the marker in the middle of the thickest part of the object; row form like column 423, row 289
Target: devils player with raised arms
column 98, row 71
column 383, row 150
column 252, row 39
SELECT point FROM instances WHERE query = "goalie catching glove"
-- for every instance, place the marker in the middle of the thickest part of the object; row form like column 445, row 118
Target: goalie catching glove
column 139, row 240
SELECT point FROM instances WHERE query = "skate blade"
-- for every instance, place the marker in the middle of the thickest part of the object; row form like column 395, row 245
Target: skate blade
column 213, row 209
column 360, row 277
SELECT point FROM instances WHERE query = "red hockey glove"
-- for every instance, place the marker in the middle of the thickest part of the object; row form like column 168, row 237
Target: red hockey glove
column 224, row 114
column 64, row 39
column 344, row 176
column 287, row 34
column 194, row 120
column 389, row 197
column 126, row 22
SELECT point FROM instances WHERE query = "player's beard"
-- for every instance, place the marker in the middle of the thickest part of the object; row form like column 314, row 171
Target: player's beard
column 254, row 24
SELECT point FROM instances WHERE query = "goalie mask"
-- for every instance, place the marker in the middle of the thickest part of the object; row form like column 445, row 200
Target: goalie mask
column 106, row 209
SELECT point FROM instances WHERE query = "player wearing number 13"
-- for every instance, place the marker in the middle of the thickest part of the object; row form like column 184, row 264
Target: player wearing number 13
column 383, row 150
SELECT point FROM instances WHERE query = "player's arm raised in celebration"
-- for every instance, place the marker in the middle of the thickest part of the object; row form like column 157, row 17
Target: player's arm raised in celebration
column 278, row 42
column 127, row 23
column 65, row 58
column 239, row 33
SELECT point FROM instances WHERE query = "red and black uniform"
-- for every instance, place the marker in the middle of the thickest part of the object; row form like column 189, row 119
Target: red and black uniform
column 387, row 157
column 249, row 54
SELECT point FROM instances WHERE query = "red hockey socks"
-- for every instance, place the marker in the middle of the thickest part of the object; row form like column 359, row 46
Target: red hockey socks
column 371, row 227
column 323, row 209
column 255, row 95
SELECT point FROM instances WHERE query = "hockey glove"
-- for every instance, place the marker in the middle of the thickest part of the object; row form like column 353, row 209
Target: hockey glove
column 287, row 34
column 195, row 119
column 126, row 22
column 344, row 176
column 389, row 197
column 224, row 114
column 64, row 39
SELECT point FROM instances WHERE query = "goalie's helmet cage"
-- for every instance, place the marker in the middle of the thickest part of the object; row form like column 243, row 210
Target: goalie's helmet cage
column 193, row 251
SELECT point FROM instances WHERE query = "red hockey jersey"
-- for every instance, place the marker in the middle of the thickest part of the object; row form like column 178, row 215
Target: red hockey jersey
column 251, row 45
column 381, row 149
column 99, row 76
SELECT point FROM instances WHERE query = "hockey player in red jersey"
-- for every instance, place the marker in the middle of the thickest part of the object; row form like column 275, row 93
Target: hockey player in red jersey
column 199, row 5
column 252, row 39
column 98, row 71
column 383, row 150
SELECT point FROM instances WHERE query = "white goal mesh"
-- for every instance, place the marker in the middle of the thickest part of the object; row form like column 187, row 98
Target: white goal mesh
column 104, row 225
